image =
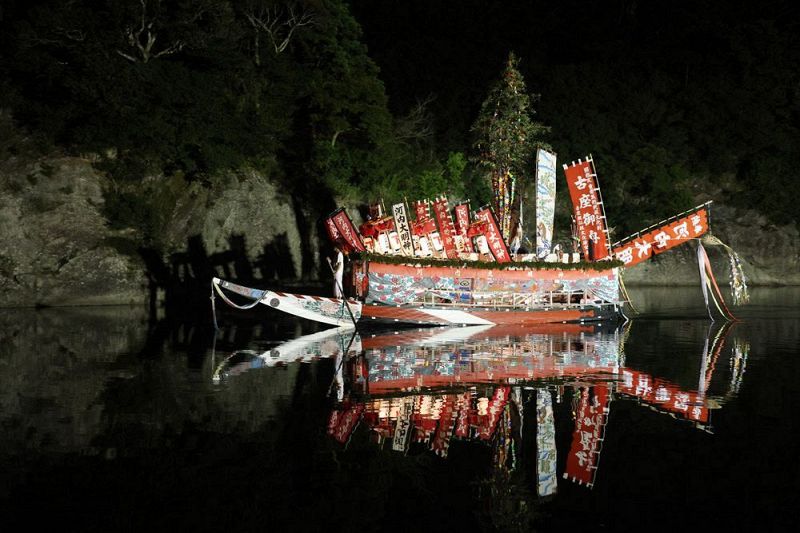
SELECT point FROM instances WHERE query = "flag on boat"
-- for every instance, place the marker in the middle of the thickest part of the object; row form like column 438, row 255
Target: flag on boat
column 341, row 221
column 446, row 228
column 588, row 210
column 663, row 236
column 403, row 229
column 462, row 225
column 493, row 236
column 545, row 201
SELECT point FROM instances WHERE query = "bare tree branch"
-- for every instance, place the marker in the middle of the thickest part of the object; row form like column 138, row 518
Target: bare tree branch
column 278, row 22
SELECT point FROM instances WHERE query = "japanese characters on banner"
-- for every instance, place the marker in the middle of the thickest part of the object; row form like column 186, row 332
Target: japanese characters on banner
column 447, row 418
column 462, row 224
column 667, row 234
column 342, row 423
column 493, row 237
column 588, row 210
column 545, row 201
column 546, row 457
column 346, row 229
column 494, row 409
column 463, row 418
column 446, row 228
column 587, row 439
column 333, row 233
column 664, row 395
column 403, row 229
column 402, row 431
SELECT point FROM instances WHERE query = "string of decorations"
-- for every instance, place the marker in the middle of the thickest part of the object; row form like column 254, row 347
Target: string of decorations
column 490, row 265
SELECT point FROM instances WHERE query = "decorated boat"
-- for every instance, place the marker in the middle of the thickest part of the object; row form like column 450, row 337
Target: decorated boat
column 459, row 267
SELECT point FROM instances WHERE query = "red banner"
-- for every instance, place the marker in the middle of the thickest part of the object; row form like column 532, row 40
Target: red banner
column 494, row 410
column 664, row 395
column 493, row 235
column 421, row 210
column 446, row 228
column 462, row 421
column 665, row 235
column 590, row 421
column 447, row 418
column 342, row 423
column 333, row 233
column 347, row 230
column 588, row 209
column 462, row 224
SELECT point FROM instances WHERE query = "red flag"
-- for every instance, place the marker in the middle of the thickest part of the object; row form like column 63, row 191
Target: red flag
column 462, row 224
column 446, row 228
column 347, row 230
column 588, row 209
column 666, row 234
column 493, row 235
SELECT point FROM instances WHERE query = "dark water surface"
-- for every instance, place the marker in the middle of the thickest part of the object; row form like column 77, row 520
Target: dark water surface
column 114, row 422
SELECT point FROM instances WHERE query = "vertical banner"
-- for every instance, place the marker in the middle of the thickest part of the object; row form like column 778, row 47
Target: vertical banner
column 421, row 210
column 402, row 431
column 403, row 229
column 546, row 457
column 440, row 443
column 588, row 209
column 333, row 233
column 464, row 411
column 341, row 424
column 347, row 230
column 493, row 236
column 663, row 236
column 587, row 440
column 545, row 201
column 494, row 410
column 446, row 228
column 462, row 224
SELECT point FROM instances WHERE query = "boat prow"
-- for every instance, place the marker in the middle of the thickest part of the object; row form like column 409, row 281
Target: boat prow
column 333, row 311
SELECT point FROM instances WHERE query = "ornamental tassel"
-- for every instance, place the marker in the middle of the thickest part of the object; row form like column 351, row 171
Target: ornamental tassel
column 739, row 292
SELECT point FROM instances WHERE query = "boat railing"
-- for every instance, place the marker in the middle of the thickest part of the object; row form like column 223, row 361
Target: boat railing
column 512, row 300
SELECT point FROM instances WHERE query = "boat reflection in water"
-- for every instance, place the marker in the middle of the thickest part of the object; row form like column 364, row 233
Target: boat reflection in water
column 418, row 390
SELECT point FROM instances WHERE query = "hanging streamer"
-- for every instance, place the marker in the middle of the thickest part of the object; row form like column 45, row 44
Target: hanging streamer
column 709, row 285
column 738, row 281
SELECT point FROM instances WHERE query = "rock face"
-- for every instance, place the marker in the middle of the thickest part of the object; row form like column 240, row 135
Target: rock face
column 55, row 247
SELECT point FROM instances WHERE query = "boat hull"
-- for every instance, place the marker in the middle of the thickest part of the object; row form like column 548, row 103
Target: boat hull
column 432, row 315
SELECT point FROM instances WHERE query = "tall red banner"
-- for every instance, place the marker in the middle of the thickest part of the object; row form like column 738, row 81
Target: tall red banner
column 342, row 423
column 333, row 233
column 446, row 228
column 588, row 209
column 590, row 421
column 347, row 230
column 493, row 235
column 663, row 236
column 421, row 210
column 493, row 412
column 462, row 223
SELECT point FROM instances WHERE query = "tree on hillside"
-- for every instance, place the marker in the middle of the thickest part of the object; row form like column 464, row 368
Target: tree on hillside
column 506, row 138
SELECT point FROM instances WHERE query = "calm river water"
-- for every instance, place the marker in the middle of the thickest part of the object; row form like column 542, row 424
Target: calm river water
column 112, row 421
